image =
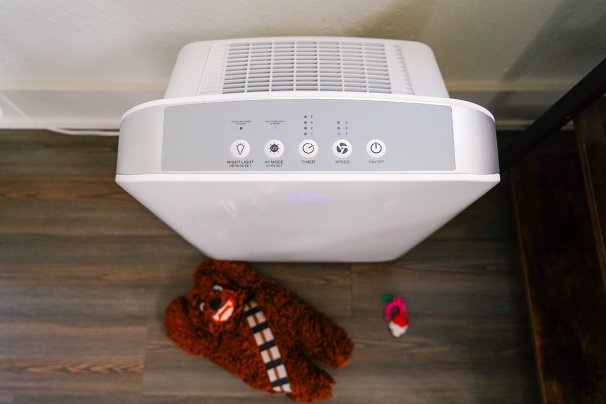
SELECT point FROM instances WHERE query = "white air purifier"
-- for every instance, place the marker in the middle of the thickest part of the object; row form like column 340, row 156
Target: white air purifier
column 306, row 149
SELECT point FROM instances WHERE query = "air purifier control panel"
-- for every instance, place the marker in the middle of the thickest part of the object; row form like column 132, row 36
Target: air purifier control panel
column 307, row 135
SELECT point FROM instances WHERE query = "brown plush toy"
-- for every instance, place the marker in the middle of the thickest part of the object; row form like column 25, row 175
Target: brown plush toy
column 258, row 330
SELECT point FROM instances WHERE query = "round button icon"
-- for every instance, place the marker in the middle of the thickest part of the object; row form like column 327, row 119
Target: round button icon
column 274, row 148
column 240, row 149
column 308, row 149
column 341, row 148
column 375, row 148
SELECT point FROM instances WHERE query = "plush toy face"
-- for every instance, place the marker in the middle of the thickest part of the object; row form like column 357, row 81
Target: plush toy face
column 216, row 303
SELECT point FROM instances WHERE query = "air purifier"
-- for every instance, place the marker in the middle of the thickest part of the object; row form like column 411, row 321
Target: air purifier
column 314, row 149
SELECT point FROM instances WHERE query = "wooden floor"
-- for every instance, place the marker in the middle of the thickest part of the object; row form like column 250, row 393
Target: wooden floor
column 85, row 274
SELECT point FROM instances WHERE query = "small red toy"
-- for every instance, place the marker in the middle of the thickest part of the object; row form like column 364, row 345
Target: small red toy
column 395, row 313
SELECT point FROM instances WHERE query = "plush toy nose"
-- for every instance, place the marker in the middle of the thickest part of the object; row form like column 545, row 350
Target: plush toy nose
column 215, row 304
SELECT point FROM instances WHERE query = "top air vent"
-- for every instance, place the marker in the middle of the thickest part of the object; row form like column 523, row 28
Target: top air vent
column 289, row 66
column 305, row 65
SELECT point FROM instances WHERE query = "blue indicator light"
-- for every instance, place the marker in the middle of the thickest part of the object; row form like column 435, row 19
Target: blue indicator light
column 307, row 198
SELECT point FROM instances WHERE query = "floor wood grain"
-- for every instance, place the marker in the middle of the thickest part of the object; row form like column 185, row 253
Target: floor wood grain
column 85, row 274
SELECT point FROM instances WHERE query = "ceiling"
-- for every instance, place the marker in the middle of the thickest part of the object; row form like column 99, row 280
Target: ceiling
column 82, row 64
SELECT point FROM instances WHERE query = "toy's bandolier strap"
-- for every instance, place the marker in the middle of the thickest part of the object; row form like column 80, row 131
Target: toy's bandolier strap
column 267, row 347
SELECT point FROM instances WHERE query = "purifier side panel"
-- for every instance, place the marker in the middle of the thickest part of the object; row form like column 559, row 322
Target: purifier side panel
column 306, row 221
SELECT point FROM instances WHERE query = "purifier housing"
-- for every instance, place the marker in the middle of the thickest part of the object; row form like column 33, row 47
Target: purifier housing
column 306, row 149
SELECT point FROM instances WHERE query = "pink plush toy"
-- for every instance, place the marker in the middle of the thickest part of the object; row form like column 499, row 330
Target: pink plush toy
column 395, row 313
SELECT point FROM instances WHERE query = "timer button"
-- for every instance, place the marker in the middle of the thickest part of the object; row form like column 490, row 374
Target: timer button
column 308, row 149
column 375, row 148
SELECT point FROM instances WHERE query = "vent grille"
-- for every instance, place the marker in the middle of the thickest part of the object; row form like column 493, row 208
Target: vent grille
column 264, row 66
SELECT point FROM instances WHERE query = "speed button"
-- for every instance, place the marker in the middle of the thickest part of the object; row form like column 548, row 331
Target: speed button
column 341, row 148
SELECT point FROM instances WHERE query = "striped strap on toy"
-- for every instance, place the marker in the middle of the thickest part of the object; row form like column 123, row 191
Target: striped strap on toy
column 267, row 346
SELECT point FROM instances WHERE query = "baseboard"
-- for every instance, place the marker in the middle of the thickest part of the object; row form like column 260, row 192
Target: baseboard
column 100, row 105
column 72, row 105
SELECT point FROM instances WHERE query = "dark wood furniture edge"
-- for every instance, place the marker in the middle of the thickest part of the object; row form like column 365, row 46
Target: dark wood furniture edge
column 566, row 300
column 559, row 201
column 532, row 316
column 590, row 128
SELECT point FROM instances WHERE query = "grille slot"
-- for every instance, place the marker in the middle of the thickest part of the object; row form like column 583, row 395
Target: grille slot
column 349, row 66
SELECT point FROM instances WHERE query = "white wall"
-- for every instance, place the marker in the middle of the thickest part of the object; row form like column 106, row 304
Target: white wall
column 81, row 64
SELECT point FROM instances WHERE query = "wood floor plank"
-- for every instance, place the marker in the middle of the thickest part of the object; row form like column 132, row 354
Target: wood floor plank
column 40, row 153
column 45, row 398
column 54, row 205
column 38, row 356
column 257, row 399
column 460, row 255
column 439, row 359
column 436, row 291
column 137, row 262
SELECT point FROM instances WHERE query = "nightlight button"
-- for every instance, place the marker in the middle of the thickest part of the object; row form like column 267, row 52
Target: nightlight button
column 240, row 149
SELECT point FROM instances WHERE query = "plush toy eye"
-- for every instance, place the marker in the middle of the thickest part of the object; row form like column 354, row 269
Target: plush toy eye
column 201, row 306
column 217, row 288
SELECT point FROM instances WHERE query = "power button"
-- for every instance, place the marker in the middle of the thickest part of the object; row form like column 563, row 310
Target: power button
column 375, row 148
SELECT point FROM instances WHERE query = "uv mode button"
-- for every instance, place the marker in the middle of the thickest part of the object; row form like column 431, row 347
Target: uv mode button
column 274, row 149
